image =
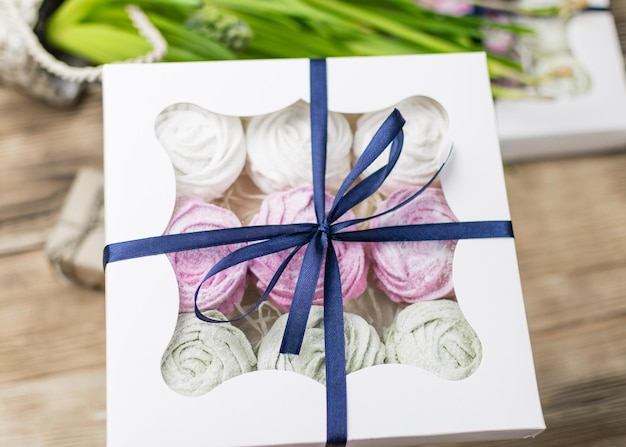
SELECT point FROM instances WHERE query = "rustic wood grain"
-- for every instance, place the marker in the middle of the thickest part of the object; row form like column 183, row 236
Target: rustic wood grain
column 570, row 221
column 41, row 149
column 52, row 361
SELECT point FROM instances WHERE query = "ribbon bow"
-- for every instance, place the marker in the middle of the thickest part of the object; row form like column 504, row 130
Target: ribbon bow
column 318, row 238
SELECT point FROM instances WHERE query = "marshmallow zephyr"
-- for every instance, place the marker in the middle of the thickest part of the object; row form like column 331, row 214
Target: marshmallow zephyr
column 435, row 336
column 207, row 150
column 363, row 346
column 279, row 149
column 424, row 142
column 201, row 356
column 222, row 290
column 414, row 271
column 296, row 206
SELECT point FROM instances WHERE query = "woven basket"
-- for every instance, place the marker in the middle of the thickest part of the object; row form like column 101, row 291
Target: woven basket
column 27, row 66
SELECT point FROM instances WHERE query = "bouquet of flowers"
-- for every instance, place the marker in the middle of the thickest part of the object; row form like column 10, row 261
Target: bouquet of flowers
column 106, row 31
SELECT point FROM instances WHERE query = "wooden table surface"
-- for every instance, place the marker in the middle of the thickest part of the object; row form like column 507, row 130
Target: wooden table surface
column 570, row 222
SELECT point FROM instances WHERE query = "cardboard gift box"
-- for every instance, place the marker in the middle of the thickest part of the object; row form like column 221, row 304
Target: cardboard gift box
column 592, row 120
column 74, row 245
column 388, row 404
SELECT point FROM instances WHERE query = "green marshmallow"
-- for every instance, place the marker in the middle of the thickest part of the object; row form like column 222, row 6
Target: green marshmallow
column 435, row 336
column 202, row 355
column 363, row 346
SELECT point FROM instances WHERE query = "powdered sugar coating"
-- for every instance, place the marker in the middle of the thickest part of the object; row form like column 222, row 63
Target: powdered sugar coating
column 201, row 355
column 296, row 206
column 435, row 336
column 424, row 141
column 279, row 149
column 207, row 149
column 363, row 346
column 222, row 290
column 414, row 271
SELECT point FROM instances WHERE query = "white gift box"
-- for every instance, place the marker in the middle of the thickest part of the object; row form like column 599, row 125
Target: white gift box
column 387, row 404
column 590, row 122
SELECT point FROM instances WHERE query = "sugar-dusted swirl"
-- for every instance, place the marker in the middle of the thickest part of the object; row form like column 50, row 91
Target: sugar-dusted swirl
column 424, row 141
column 279, row 149
column 296, row 206
column 222, row 290
column 435, row 336
column 414, row 271
column 363, row 347
column 207, row 149
column 203, row 355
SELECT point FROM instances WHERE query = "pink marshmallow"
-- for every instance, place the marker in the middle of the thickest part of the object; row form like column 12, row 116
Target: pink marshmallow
column 296, row 206
column 414, row 271
column 221, row 291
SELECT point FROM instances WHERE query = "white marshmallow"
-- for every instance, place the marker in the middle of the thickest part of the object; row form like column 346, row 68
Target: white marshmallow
column 207, row 150
column 424, row 141
column 279, row 149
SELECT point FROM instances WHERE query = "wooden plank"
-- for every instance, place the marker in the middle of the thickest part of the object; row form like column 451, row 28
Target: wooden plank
column 41, row 149
column 46, row 326
column 64, row 409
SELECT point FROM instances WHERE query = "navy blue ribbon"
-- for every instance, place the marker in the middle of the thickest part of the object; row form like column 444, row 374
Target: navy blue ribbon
column 318, row 239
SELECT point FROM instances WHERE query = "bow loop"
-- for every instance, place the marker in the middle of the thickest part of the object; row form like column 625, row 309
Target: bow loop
column 389, row 133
